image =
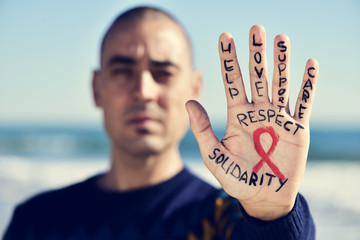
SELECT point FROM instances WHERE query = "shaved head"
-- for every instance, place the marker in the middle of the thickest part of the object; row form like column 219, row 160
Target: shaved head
column 128, row 20
column 145, row 78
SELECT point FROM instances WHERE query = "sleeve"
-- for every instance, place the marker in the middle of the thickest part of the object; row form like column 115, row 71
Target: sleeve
column 297, row 224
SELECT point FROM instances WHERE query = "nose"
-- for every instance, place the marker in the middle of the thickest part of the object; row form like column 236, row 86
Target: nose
column 146, row 88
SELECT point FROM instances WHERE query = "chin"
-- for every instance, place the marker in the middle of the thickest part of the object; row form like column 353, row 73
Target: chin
column 145, row 146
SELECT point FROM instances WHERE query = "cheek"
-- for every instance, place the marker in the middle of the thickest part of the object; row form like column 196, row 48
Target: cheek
column 174, row 98
column 113, row 104
column 174, row 103
column 113, row 95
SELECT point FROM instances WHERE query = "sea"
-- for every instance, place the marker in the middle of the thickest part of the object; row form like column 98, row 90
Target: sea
column 36, row 158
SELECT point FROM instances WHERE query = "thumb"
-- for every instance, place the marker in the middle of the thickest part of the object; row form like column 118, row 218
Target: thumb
column 201, row 127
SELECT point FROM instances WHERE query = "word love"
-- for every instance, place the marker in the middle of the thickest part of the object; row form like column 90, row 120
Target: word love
column 266, row 156
column 258, row 69
column 250, row 178
column 268, row 115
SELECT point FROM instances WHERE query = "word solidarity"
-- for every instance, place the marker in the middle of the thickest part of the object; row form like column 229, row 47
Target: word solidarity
column 271, row 116
column 251, row 179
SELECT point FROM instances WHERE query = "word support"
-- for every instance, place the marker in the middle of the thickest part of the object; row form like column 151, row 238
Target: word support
column 282, row 79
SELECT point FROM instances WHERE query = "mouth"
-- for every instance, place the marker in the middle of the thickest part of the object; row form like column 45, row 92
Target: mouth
column 144, row 125
column 142, row 119
column 149, row 117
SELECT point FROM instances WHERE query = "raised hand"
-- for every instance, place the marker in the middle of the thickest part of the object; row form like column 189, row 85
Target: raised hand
column 262, row 156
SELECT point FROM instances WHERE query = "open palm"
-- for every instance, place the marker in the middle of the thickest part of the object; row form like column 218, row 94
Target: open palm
column 262, row 156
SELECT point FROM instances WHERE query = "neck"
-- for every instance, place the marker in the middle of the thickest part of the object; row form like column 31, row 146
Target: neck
column 129, row 172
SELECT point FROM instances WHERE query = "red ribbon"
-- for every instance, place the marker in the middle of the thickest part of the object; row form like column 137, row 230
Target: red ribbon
column 265, row 156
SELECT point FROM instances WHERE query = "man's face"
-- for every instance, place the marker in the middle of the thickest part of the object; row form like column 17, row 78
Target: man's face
column 146, row 77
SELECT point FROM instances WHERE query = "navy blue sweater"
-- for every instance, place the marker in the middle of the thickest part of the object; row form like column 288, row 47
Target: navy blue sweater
column 183, row 207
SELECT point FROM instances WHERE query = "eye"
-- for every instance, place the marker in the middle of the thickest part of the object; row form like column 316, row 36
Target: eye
column 162, row 76
column 121, row 72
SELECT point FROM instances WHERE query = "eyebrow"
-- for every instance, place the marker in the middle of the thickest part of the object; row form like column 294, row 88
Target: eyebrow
column 118, row 59
column 163, row 64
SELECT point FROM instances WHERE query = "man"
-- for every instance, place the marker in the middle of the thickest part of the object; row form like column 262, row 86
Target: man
column 144, row 82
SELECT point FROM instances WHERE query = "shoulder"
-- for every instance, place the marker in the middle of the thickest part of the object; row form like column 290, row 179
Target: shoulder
column 49, row 209
column 55, row 199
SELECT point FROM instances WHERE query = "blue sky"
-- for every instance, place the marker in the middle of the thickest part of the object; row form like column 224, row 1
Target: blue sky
column 48, row 50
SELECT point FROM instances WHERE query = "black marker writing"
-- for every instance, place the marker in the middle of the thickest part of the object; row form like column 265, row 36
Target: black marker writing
column 281, row 68
column 226, row 50
column 306, row 91
column 301, row 107
column 257, row 57
column 255, row 43
column 258, row 88
column 281, row 45
column 228, row 68
column 233, row 92
column 259, row 73
column 308, row 71
column 258, row 69
column 227, row 78
column 250, row 117
column 250, row 178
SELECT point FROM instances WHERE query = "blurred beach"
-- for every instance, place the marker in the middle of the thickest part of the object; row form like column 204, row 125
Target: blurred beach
column 34, row 159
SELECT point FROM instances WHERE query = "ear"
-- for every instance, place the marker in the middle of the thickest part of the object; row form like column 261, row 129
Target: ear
column 197, row 84
column 96, row 88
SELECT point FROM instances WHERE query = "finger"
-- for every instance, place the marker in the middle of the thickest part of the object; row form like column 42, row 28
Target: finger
column 257, row 66
column 307, row 92
column 281, row 76
column 231, row 73
column 201, row 127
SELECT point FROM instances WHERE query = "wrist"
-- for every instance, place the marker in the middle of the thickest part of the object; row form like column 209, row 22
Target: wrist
column 267, row 212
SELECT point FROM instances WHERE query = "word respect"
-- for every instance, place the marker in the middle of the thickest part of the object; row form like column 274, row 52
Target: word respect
column 268, row 115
